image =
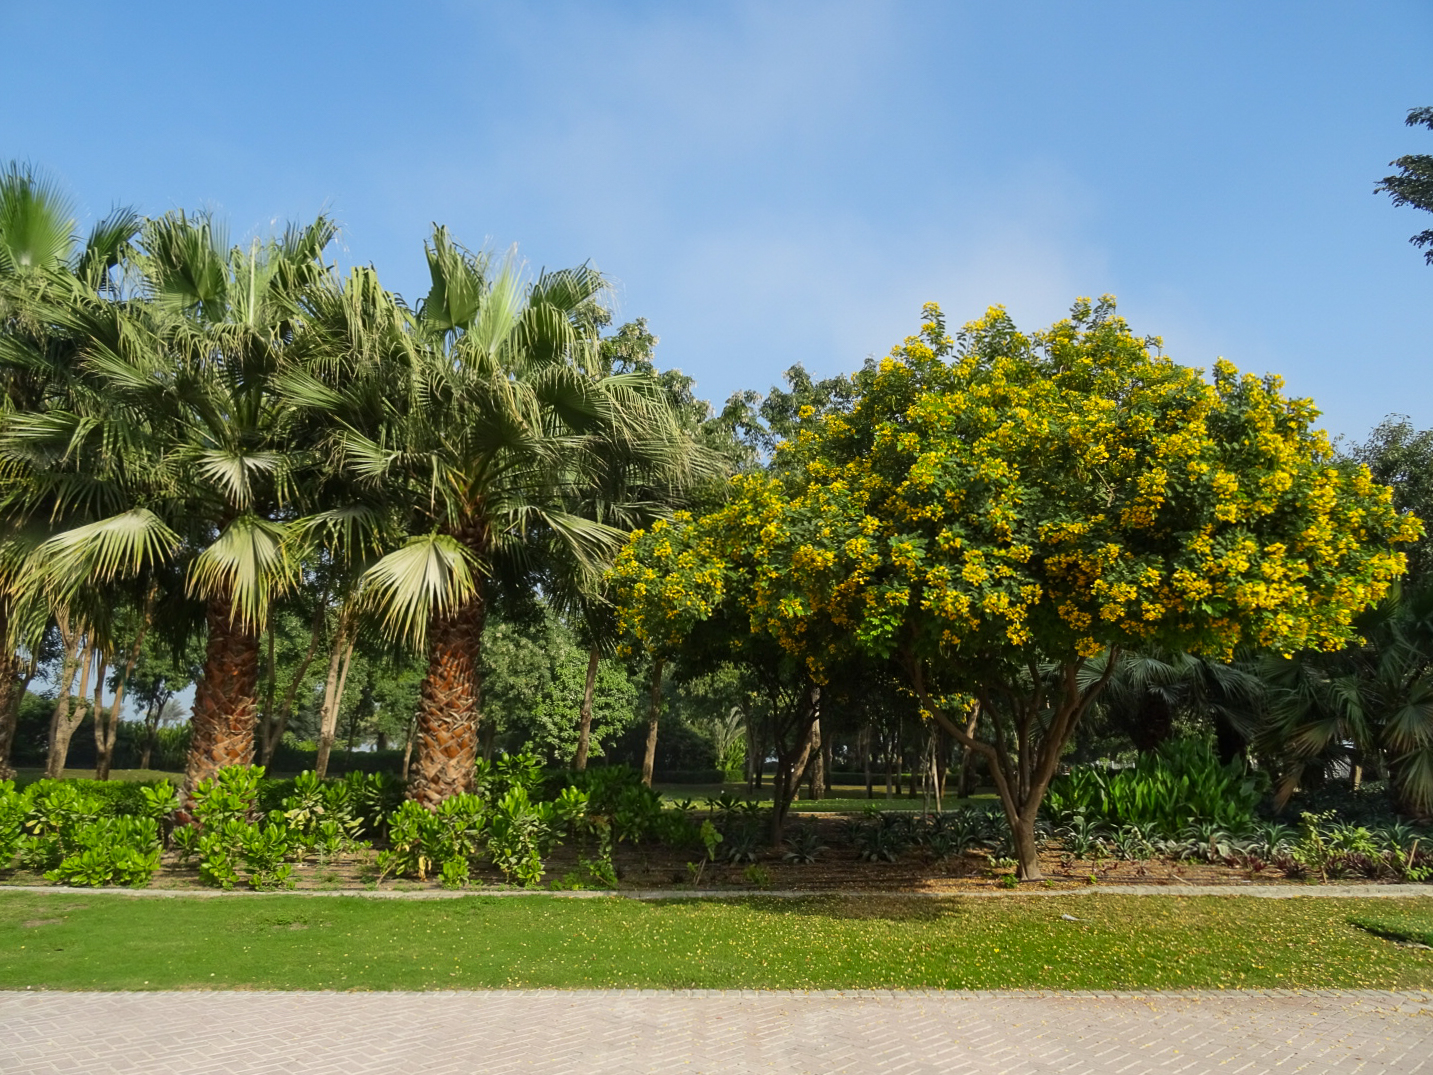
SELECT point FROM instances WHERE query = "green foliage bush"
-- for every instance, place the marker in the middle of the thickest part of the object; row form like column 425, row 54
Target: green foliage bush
column 1166, row 792
column 83, row 832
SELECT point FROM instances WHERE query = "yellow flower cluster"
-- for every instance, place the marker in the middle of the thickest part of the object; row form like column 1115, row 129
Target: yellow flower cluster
column 1067, row 491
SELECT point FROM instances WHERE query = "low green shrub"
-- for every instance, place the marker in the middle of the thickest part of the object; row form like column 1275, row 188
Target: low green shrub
column 1181, row 784
column 110, row 851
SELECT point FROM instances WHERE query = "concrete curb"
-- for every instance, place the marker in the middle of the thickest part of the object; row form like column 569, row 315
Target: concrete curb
column 1422, row 998
column 1271, row 892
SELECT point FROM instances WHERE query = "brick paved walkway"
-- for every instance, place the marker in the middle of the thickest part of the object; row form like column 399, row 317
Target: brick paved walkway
column 719, row 1032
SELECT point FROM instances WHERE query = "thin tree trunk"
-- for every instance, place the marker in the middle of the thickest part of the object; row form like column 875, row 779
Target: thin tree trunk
column 654, row 712
column 151, row 727
column 791, row 765
column 816, row 784
column 352, row 717
column 69, row 716
column 408, row 744
column 334, row 685
column 942, row 764
column 275, row 725
column 932, row 768
column 71, row 647
column 864, row 742
column 225, row 718
column 759, row 760
column 828, row 769
column 107, row 731
column 750, row 750
column 890, row 771
column 584, row 722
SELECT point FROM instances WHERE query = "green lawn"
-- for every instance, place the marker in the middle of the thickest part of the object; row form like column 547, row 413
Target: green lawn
column 842, row 800
column 77, row 940
column 24, row 777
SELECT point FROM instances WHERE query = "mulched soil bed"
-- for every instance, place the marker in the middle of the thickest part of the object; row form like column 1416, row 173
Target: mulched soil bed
column 654, row 866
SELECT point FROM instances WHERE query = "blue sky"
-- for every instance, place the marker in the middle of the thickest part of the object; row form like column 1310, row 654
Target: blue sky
column 774, row 182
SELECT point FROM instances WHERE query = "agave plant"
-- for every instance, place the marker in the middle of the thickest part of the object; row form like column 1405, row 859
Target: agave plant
column 803, row 844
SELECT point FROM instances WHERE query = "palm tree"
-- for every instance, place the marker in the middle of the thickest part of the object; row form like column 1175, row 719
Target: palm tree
column 197, row 448
column 44, row 267
column 481, row 434
column 1367, row 704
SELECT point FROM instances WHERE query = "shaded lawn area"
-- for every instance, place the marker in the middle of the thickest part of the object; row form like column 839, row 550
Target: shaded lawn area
column 88, row 941
column 843, row 799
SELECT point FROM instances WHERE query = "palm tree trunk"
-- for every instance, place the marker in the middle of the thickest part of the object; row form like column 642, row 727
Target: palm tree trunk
column 584, row 731
column 12, row 690
column 225, row 699
column 654, row 712
column 447, row 724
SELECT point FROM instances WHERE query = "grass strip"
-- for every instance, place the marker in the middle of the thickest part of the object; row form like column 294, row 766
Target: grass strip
column 94, row 941
column 1395, row 925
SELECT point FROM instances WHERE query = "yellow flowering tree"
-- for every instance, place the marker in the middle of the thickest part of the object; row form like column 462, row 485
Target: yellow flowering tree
column 724, row 588
column 1005, row 514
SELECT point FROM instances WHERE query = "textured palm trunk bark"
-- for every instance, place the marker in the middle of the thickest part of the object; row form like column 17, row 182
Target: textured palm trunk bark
column 447, row 724
column 584, row 731
column 225, row 699
column 654, row 713
column 12, row 691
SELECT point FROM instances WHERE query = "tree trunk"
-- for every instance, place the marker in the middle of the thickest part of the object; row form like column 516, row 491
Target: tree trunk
column 68, row 716
column 654, row 712
column 751, row 750
column 447, row 728
column 942, row 766
column 408, row 744
column 71, row 647
column 584, row 722
column 865, row 745
column 1039, row 741
column 151, row 726
column 889, row 748
column 333, row 689
column 226, row 710
column 791, row 763
column 827, row 767
column 816, row 785
column 107, row 731
column 274, row 726
column 12, row 693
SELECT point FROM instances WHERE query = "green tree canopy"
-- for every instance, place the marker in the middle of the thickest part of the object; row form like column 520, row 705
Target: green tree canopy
column 1413, row 183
